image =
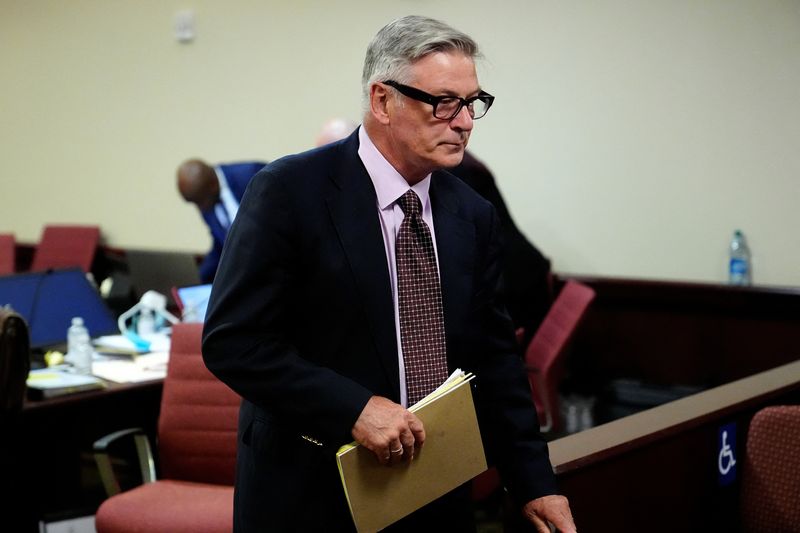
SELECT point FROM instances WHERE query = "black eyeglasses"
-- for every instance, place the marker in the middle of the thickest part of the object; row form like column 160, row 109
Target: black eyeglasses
column 447, row 107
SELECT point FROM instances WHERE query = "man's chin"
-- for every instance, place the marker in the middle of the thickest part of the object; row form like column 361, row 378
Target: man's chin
column 453, row 157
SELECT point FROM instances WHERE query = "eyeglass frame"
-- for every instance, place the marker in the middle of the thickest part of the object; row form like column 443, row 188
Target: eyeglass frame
column 427, row 98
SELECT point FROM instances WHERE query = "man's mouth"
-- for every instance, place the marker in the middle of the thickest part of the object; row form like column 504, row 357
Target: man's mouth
column 459, row 144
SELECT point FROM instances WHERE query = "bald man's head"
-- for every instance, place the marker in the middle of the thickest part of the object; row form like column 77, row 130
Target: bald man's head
column 198, row 183
column 335, row 129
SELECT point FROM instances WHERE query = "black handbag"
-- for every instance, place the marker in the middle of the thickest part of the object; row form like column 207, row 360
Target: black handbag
column 15, row 360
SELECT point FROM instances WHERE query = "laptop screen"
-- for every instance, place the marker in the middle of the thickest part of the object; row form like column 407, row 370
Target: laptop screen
column 160, row 271
column 49, row 300
column 193, row 302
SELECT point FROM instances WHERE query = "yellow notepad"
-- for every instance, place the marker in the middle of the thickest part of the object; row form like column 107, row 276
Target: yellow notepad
column 453, row 454
column 47, row 383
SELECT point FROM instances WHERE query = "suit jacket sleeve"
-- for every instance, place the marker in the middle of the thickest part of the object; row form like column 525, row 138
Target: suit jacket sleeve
column 508, row 417
column 208, row 267
column 254, row 319
column 240, row 174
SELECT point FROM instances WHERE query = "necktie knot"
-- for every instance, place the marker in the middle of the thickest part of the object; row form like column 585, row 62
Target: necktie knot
column 410, row 203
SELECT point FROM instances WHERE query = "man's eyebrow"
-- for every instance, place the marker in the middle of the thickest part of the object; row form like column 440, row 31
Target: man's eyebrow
column 447, row 92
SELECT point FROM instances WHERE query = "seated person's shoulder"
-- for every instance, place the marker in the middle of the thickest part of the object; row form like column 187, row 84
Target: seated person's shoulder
column 469, row 198
column 301, row 170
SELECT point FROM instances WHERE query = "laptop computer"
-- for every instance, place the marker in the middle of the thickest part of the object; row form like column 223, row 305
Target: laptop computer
column 192, row 301
column 49, row 300
column 161, row 271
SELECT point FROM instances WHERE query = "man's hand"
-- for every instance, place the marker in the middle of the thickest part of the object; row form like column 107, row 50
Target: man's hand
column 388, row 430
column 553, row 509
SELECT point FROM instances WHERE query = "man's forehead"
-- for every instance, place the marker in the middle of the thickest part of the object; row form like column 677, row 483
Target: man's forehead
column 445, row 72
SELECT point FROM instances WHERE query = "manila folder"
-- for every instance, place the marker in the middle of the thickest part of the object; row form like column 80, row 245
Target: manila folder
column 452, row 455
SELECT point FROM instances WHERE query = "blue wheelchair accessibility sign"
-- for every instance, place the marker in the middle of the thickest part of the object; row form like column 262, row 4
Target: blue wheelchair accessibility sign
column 726, row 454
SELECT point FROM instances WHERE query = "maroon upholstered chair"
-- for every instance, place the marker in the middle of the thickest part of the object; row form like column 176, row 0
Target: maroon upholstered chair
column 545, row 353
column 770, row 497
column 196, row 451
column 8, row 253
column 543, row 361
column 66, row 246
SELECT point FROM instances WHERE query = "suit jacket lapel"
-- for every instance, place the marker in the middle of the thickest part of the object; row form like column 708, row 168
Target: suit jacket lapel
column 353, row 209
column 455, row 245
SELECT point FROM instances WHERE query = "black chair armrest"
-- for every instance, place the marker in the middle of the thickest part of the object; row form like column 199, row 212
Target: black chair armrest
column 144, row 455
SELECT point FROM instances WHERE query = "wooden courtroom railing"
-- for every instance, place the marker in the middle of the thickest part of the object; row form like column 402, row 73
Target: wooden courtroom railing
column 658, row 470
column 666, row 334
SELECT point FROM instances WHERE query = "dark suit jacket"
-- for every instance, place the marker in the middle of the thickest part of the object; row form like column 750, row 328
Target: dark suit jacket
column 301, row 325
column 238, row 176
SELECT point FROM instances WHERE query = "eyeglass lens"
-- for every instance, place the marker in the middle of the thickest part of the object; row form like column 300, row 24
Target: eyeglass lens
column 448, row 108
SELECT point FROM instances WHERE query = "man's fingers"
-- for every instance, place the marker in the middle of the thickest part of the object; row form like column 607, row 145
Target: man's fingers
column 381, row 452
column 395, row 452
column 564, row 522
column 408, row 452
column 541, row 525
column 389, row 430
column 417, row 430
column 407, row 442
column 554, row 509
column 385, row 459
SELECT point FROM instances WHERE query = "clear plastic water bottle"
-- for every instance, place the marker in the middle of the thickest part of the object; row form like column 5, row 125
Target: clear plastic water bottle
column 79, row 347
column 146, row 323
column 739, row 268
column 76, row 329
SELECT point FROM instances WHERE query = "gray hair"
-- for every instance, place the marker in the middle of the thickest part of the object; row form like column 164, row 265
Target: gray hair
column 402, row 42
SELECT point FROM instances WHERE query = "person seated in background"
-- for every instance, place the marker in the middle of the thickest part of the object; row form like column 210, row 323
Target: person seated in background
column 335, row 129
column 526, row 271
column 216, row 191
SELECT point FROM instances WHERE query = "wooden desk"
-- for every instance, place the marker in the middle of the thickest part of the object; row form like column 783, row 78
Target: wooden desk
column 46, row 450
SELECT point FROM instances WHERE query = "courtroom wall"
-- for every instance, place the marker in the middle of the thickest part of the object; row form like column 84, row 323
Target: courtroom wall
column 629, row 138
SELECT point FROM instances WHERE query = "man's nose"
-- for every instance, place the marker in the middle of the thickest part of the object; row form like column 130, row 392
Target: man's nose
column 463, row 121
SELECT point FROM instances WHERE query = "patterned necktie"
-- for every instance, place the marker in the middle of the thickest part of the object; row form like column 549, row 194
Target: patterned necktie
column 420, row 303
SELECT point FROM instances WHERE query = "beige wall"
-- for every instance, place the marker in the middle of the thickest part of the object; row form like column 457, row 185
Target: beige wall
column 629, row 138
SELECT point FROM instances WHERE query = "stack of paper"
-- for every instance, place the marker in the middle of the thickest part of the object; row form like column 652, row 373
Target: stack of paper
column 452, row 455
column 134, row 369
column 48, row 383
column 120, row 361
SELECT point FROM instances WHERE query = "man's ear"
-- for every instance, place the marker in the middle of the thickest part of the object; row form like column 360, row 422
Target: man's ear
column 379, row 102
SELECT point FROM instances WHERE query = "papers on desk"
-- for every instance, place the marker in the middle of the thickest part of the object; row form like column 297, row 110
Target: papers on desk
column 120, row 369
column 49, row 383
column 452, row 455
column 119, row 360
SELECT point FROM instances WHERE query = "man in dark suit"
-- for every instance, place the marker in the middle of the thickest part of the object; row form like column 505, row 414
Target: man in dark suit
column 216, row 191
column 308, row 319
